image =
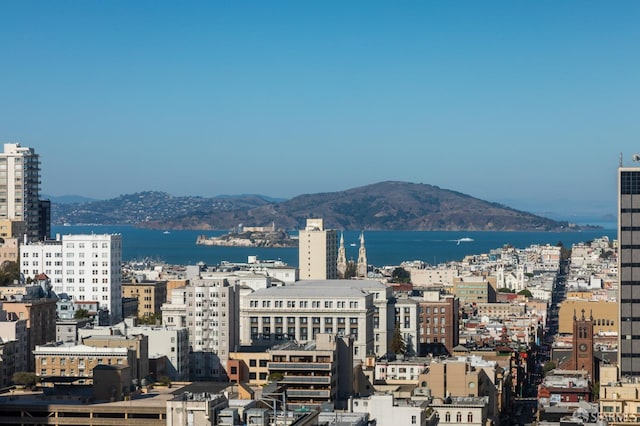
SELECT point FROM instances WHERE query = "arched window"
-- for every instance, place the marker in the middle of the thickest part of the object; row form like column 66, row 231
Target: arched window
column 447, row 417
column 470, row 417
column 458, row 417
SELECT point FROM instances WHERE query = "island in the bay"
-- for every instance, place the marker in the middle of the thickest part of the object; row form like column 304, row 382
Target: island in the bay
column 251, row 236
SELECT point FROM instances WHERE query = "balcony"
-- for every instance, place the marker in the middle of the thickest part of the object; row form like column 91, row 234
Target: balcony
column 305, row 366
column 308, row 393
column 292, row 380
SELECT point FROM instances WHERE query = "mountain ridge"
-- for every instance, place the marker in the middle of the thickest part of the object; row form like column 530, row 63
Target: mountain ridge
column 388, row 205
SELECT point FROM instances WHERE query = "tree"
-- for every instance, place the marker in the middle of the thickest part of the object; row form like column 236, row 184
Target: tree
column 548, row 366
column 400, row 275
column 81, row 313
column 398, row 345
column 24, row 378
column 9, row 272
column 150, row 319
column 525, row 293
column 351, row 270
column 274, row 377
column 505, row 290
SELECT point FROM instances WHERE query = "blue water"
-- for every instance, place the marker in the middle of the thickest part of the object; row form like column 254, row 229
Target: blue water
column 383, row 247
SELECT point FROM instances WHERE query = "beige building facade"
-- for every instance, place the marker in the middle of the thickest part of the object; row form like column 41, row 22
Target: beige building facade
column 605, row 315
column 317, row 252
column 150, row 294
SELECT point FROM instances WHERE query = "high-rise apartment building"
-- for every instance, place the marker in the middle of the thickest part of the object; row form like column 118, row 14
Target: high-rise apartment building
column 318, row 252
column 209, row 309
column 85, row 267
column 20, row 190
column 629, row 270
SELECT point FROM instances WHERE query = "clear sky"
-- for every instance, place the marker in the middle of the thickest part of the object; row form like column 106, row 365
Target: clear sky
column 526, row 103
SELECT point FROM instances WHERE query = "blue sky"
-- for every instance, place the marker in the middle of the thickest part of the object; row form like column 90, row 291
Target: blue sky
column 525, row 103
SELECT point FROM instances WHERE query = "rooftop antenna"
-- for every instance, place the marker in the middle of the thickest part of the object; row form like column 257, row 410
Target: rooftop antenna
column 620, row 159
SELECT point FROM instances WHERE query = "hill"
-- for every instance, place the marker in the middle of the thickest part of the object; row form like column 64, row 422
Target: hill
column 380, row 206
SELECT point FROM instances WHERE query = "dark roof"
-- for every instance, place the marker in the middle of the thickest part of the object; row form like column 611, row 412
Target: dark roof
column 201, row 387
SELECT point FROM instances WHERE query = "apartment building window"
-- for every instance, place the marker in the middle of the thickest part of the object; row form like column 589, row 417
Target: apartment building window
column 328, row 304
column 291, row 304
column 353, row 320
column 291, row 320
column 353, row 304
column 266, row 320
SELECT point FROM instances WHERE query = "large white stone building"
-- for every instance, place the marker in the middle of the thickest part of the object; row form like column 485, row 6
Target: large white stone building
column 85, row 267
column 208, row 308
column 317, row 252
column 301, row 311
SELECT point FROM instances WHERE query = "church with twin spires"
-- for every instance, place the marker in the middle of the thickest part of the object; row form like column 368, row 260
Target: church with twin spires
column 346, row 268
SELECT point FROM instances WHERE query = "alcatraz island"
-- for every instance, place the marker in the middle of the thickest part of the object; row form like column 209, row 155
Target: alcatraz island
column 251, row 236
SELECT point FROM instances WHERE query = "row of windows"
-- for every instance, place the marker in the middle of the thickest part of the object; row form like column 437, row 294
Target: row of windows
column 304, row 320
column 317, row 304
column 427, row 310
column 35, row 254
column 93, row 245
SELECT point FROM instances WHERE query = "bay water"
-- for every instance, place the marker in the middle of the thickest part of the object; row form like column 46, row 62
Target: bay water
column 383, row 247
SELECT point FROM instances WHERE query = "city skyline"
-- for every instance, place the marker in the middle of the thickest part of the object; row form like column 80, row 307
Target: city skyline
column 525, row 104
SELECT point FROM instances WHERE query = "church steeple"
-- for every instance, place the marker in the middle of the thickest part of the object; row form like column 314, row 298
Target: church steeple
column 362, row 258
column 342, row 258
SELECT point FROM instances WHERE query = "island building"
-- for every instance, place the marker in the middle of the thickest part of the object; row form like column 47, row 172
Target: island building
column 87, row 268
column 317, row 252
column 20, row 191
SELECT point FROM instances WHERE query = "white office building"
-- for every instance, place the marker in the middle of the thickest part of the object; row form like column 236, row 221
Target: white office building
column 301, row 311
column 85, row 267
